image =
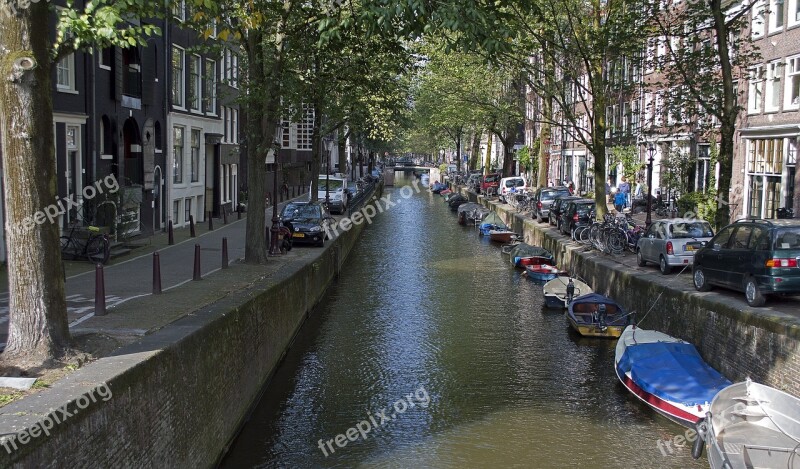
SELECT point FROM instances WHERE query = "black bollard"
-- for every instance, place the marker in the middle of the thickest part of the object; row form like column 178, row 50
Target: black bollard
column 224, row 253
column 224, row 217
column 99, row 291
column 170, row 234
column 238, row 214
column 191, row 226
column 197, row 275
column 210, row 222
column 156, row 274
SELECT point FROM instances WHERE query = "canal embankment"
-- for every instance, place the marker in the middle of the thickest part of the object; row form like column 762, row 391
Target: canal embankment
column 760, row 343
column 177, row 396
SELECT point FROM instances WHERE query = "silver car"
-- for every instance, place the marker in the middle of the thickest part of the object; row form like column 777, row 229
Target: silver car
column 671, row 243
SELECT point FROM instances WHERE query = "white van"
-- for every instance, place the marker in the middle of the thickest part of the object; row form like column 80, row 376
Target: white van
column 506, row 184
column 337, row 192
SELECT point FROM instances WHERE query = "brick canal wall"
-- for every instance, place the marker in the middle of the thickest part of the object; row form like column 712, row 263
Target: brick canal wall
column 177, row 397
column 739, row 341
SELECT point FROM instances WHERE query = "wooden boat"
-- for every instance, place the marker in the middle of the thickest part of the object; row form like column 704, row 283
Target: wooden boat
column 534, row 260
column 561, row 290
column 490, row 223
column 595, row 315
column 502, row 236
column 752, row 425
column 520, row 251
column 667, row 374
column 543, row 272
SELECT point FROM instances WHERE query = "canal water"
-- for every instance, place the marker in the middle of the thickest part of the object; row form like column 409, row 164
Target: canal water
column 432, row 351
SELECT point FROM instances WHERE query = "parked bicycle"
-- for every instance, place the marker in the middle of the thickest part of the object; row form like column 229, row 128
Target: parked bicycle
column 96, row 247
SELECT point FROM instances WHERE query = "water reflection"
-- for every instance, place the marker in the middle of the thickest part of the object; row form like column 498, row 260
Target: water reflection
column 423, row 302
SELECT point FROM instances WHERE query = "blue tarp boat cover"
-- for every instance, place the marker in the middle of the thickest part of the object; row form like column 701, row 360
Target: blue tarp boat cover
column 673, row 371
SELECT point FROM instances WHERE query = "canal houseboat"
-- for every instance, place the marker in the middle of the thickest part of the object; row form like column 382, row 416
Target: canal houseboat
column 595, row 315
column 667, row 374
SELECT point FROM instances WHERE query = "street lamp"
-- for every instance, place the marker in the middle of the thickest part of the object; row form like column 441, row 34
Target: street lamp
column 275, row 241
column 328, row 141
column 651, row 150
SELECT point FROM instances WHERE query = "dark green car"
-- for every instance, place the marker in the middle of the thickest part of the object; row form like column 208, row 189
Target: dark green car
column 758, row 257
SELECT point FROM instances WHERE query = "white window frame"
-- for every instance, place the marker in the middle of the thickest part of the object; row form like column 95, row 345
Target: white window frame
column 180, row 5
column 757, row 20
column 181, row 92
column 755, row 87
column 68, row 65
column 234, row 125
column 772, row 91
column 773, row 8
column 210, row 63
column 197, row 79
column 792, row 72
column 178, row 163
column 793, row 13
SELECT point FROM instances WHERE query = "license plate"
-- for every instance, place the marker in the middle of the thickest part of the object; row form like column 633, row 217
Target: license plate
column 688, row 248
column 298, row 235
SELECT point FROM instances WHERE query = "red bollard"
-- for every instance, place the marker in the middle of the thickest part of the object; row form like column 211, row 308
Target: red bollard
column 210, row 222
column 191, row 226
column 197, row 275
column 156, row 274
column 170, row 234
column 224, row 253
column 99, row 291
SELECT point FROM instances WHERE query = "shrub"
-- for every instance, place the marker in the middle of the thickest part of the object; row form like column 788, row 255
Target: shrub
column 702, row 204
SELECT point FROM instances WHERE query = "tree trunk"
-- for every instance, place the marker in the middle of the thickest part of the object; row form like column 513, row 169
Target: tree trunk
column 458, row 150
column 476, row 150
column 488, row 162
column 723, row 215
column 38, row 327
column 508, row 156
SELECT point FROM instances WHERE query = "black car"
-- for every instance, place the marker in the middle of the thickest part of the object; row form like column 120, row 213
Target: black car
column 308, row 222
column 544, row 198
column 558, row 206
column 758, row 257
column 577, row 212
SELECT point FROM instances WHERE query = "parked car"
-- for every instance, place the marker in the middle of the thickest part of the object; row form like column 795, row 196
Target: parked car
column 308, row 221
column 474, row 182
column 543, row 199
column 758, row 257
column 671, row 243
column 490, row 183
column 506, row 184
column 336, row 192
column 577, row 212
column 557, row 208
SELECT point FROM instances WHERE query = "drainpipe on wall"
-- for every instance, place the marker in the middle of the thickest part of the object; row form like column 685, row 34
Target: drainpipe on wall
column 166, row 201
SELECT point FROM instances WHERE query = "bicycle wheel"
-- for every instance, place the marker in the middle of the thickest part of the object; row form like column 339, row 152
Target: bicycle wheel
column 97, row 250
column 67, row 252
column 616, row 241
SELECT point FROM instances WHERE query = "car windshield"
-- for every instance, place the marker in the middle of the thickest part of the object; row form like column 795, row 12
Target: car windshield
column 515, row 183
column 693, row 229
column 788, row 239
column 299, row 211
column 334, row 184
column 583, row 209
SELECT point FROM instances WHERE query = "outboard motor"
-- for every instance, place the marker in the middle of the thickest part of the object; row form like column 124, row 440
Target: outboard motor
column 601, row 315
column 570, row 290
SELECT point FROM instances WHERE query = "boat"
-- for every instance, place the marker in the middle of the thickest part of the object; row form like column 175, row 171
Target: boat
column 595, row 315
column 560, row 291
column 502, row 236
column 543, row 272
column 520, row 251
column 491, row 222
column 534, row 260
column 667, row 374
column 751, row 425
column 464, row 211
column 445, row 192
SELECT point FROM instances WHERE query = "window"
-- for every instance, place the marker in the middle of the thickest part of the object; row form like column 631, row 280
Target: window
column 776, row 15
column 210, row 88
column 234, row 125
column 741, row 237
column 178, row 78
column 772, row 98
column 756, row 89
column 234, row 70
column 765, row 156
column 187, row 209
column 106, row 57
column 224, row 112
column 792, row 100
column 177, row 155
column 194, row 82
column 305, row 128
column 757, row 23
column 179, row 10
column 65, row 74
column 195, row 163
column 794, row 12
column 176, row 209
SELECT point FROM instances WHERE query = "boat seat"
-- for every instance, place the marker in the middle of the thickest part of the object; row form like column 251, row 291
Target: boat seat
column 591, row 308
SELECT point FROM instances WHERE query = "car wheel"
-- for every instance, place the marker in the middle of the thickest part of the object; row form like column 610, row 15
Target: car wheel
column 639, row 259
column 752, row 294
column 663, row 266
column 700, row 280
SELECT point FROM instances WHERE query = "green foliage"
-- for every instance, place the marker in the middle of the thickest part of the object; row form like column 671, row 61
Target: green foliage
column 701, row 205
column 675, row 168
column 628, row 155
column 524, row 157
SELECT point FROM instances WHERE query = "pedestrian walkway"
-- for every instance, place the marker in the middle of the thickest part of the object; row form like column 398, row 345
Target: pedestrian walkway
column 131, row 278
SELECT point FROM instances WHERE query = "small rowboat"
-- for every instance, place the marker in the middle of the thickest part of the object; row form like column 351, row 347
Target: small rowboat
column 492, row 222
column 667, row 374
column 543, row 272
column 502, row 236
column 595, row 315
column 533, row 260
column 751, row 425
column 560, row 291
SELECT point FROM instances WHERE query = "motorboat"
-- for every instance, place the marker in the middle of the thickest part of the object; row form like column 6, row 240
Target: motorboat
column 667, row 374
column 560, row 291
column 543, row 272
column 502, row 236
column 519, row 251
column 492, row 221
column 750, row 425
column 595, row 315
